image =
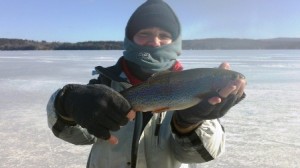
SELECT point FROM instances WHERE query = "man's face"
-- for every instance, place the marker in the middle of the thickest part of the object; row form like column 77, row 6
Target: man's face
column 153, row 37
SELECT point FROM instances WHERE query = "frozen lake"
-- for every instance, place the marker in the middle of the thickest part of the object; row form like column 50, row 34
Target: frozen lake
column 262, row 131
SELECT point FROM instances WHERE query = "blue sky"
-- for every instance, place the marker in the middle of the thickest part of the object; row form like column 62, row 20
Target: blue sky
column 85, row 20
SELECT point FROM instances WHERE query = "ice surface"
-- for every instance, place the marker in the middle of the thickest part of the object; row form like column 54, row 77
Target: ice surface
column 262, row 131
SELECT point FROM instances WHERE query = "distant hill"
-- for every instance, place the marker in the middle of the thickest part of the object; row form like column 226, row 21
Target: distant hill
column 234, row 44
column 19, row 44
column 197, row 44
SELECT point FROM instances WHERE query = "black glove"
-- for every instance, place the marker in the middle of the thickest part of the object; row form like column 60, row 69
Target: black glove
column 97, row 108
column 206, row 111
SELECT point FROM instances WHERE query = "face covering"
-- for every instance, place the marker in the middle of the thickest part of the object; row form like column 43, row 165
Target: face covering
column 152, row 59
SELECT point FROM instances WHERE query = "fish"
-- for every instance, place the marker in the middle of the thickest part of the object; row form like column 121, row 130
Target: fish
column 177, row 90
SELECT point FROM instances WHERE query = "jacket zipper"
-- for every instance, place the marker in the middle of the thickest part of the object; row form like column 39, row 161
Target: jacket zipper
column 157, row 128
column 138, row 126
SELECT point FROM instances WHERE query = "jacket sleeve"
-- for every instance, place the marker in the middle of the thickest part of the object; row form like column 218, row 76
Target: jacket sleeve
column 69, row 132
column 205, row 143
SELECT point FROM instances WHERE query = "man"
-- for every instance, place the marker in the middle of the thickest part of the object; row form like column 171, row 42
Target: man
column 97, row 114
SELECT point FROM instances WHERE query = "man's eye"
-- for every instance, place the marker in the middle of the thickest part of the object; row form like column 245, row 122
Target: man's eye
column 144, row 34
column 165, row 36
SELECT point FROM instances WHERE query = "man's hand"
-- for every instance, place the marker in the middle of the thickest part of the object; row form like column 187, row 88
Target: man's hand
column 97, row 108
column 214, row 105
column 235, row 88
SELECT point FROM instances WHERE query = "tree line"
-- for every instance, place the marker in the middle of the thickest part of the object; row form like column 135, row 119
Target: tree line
column 198, row 44
column 245, row 44
column 20, row 44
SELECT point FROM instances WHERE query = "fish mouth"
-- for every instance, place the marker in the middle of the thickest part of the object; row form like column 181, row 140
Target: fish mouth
column 221, row 81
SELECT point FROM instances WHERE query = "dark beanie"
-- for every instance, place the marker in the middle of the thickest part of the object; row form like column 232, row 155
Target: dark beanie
column 153, row 13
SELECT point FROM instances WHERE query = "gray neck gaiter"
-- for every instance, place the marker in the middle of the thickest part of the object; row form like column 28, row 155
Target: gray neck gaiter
column 152, row 59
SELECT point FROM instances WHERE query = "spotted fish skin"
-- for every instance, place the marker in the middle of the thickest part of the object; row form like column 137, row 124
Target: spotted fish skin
column 178, row 90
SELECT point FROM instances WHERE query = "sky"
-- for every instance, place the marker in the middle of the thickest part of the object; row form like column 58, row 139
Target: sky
column 97, row 20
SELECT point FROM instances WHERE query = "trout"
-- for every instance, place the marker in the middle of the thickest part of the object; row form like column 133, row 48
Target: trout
column 178, row 90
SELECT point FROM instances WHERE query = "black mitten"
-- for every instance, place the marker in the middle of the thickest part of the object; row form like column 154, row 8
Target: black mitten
column 206, row 111
column 97, row 108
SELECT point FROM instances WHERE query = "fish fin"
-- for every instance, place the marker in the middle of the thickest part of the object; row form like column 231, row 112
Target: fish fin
column 162, row 109
column 158, row 75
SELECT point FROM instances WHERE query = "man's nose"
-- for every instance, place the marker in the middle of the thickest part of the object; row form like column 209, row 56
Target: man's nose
column 154, row 41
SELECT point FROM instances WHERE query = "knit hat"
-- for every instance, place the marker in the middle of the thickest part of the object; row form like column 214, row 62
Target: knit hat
column 153, row 13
